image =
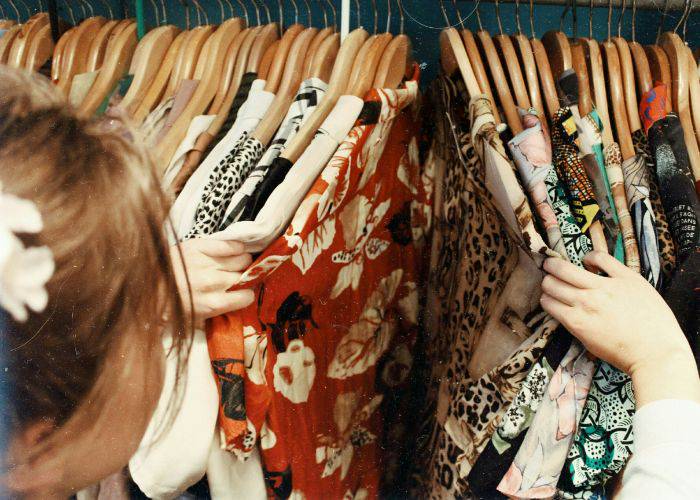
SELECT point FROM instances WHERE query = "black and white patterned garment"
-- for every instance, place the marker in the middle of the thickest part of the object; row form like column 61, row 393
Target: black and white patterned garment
column 307, row 98
column 235, row 168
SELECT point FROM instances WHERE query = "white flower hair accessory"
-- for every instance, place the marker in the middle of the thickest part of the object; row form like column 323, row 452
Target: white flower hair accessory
column 24, row 272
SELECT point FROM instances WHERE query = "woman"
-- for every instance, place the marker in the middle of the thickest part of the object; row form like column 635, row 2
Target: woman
column 87, row 290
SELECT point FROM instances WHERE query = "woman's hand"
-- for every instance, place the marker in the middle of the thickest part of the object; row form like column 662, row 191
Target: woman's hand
column 212, row 268
column 621, row 319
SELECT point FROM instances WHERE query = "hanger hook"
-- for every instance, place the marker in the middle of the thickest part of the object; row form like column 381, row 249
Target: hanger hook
column 359, row 16
column 322, row 4
column 459, row 14
column 685, row 21
column 376, row 16
column 623, row 7
column 532, row 18
column 155, row 11
column 444, row 13
column 574, row 18
column 567, row 6
column 684, row 18
column 14, row 7
column 664, row 13
column 402, row 19
column 70, row 11
column 335, row 14
column 590, row 19
column 89, row 6
column 497, row 5
column 309, row 21
column 163, row 12
column 609, row 19
column 230, row 8
column 244, row 9
column 186, row 6
column 280, row 15
column 388, row 15
column 517, row 18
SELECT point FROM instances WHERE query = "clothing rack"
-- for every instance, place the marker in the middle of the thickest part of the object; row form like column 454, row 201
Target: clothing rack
column 658, row 5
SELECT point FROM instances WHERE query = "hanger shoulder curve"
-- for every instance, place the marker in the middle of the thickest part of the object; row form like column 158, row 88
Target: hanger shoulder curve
column 279, row 59
column 514, row 72
column 499, row 78
column 617, row 99
column 480, row 74
column 628, row 83
column 20, row 46
column 578, row 63
column 558, row 50
column 75, row 53
column 322, row 64
column 549, row 89
column 660, row 70
column 322, row 35
column 337, row 86
column 6, row 42
column 265, row 37
column 641, row 68
column 148, row 56
column 98, row 45
column 117, row 59
column 227, row 73
column 530, row 69
column 677, row 56
column 40, row 49
column 160, row 80
column 600, row 95
column 289, row 84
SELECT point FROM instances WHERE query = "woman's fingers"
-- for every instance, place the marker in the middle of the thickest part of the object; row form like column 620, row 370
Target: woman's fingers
column 601, row 261
column 555, row 307
column 560, row 290
column 218, row 248
column 571, row 273
column 234, row 263
column 224, row 302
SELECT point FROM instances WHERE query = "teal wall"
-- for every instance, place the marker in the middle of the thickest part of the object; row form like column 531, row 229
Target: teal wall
column 423, row 18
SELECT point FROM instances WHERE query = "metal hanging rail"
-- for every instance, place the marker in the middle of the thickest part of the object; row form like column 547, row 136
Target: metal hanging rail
column 641, row 4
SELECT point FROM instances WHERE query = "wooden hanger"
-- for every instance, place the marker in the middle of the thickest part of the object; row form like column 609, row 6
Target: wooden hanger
column 313, row 48
column 396, row 63
column 75, row 53
column 148, row 56
column 228, row 71
column 600, row 94
column 500, row 80
column 628, row 83
column 209, row 75
column 6, row 42
column 289, row 84
column 337, row 86
column 118, row 56
column 617, row 99
column 279, row 62
column 366, row 63
column 20, row 46
column 480, row 74
column 98, row 45
column 694, row 90
column 7, row 23
column 660, row 70
column 266, row 62
column 160, row 81
column 677, row 56
column 190, row 55
column 323, row 61
column 265, row 37
column 556, row 44
column 578, row 64
column 515, row 74
column 527, row 59
column 241, row 62
column 453, row 57
column 40, row 49
column 641, row 68
column 549, row 88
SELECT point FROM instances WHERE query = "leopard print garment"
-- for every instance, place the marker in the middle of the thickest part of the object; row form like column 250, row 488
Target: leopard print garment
column 234, row 171
column 474, row 255
column 667, row 248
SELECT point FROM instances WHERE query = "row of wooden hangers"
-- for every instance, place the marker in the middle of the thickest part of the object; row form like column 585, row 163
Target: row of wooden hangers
column 218, row 56
column 612, row 75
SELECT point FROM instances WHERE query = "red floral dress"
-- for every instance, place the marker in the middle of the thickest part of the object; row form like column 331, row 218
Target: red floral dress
column 328, row 343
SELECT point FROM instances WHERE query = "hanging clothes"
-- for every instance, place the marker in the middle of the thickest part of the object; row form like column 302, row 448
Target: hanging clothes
column 326, row 342
column 250, row 198
column 477, row 251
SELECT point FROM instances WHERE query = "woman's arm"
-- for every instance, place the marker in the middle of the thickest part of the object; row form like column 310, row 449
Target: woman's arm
column 621, row 319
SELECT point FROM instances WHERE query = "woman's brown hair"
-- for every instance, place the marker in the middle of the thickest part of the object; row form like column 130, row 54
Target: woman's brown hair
column 104, row 216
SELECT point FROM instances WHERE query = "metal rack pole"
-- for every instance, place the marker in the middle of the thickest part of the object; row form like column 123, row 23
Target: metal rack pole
column 641, row 4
